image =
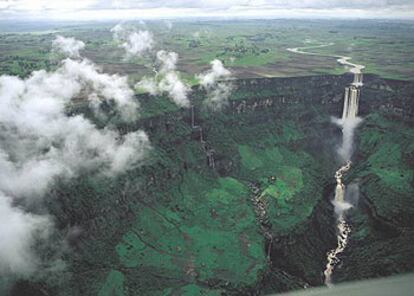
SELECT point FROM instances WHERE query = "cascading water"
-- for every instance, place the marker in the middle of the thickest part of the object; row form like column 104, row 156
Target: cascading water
column 350, row 102
column 348, row 123
column 343, row 228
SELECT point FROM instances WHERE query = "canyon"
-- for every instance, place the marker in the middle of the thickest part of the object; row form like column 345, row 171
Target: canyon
column 179, row 224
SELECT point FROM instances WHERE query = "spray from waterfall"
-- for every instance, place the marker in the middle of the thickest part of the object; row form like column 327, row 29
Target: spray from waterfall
column 348, row 123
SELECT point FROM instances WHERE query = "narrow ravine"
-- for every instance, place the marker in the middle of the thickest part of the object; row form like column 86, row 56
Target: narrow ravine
column 343, row 228
column 348, row 123
column 260, row 208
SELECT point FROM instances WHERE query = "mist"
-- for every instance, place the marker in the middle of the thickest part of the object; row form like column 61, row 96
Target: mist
column 18, row 232
column 217, row 85
column 69, row 47
column 166, row 80
column 135, row 43
column 352, row 193
column 41, row 143
column 348, row 126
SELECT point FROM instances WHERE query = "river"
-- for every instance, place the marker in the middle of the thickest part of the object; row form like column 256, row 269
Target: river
column 348, row 123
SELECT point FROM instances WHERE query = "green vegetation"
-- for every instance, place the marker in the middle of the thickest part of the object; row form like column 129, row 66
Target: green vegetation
column 249, row 48
column 388, row 146
column 191, row 290
column 282, row 180
column 114, row 284
column 178, row 225
column 220, row 239
column 381, row 242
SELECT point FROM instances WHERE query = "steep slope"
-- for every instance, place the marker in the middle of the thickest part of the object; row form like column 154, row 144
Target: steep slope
column 185, row 223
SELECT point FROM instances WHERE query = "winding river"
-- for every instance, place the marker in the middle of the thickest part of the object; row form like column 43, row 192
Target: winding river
column 348, row 123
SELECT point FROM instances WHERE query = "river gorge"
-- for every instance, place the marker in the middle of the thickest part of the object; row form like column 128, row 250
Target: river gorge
column 276, row 134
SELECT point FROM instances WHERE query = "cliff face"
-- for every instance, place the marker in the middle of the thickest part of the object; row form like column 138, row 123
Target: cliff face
column 390, row 97
column 184, row 222
column 383, row 233
column 302, row 252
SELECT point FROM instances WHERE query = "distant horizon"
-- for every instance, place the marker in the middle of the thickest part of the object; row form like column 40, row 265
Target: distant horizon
column 97, row 10
column 204, row 18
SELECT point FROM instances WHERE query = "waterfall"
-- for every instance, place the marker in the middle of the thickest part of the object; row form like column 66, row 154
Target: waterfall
column 343, row 229
column 332, row 256
column 348, row 123
column 351, row 101
column 357, row 79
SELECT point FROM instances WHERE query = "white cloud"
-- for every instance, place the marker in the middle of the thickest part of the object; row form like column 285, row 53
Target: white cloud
column 176, row 89
column 167, row 60
column 112, row 88
column 228, row 4
column 18, row 232
column 39, row 5
column 129, row 9
column 217, row 72
column 135, row 43
column 148, row 84
column 126, row 154
column 167, row 80
column 216, row 83
column 41, row 142
column 68, row 46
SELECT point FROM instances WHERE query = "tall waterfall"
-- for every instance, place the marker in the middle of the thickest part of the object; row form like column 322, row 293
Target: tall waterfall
column 348, row 123
column 351, row 101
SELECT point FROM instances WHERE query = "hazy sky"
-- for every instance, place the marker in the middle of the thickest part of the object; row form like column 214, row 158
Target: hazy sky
column 147, row 9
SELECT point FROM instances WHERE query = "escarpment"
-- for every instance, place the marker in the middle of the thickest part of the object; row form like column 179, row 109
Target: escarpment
column 185, row 218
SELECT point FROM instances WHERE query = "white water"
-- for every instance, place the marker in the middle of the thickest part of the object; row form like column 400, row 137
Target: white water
column 350, row 102
column 348, row 123
column 343, row 229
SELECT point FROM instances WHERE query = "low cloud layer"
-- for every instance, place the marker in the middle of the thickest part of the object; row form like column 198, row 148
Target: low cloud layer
column 19, row 231
column 167, row 80
column 123, row 9
column 216, row 82
column 217, row 85
column 135, row 43
column 68, row 46
column 41, row 143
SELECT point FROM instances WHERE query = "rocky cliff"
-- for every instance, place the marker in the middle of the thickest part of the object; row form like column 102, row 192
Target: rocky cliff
column 183, row 223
